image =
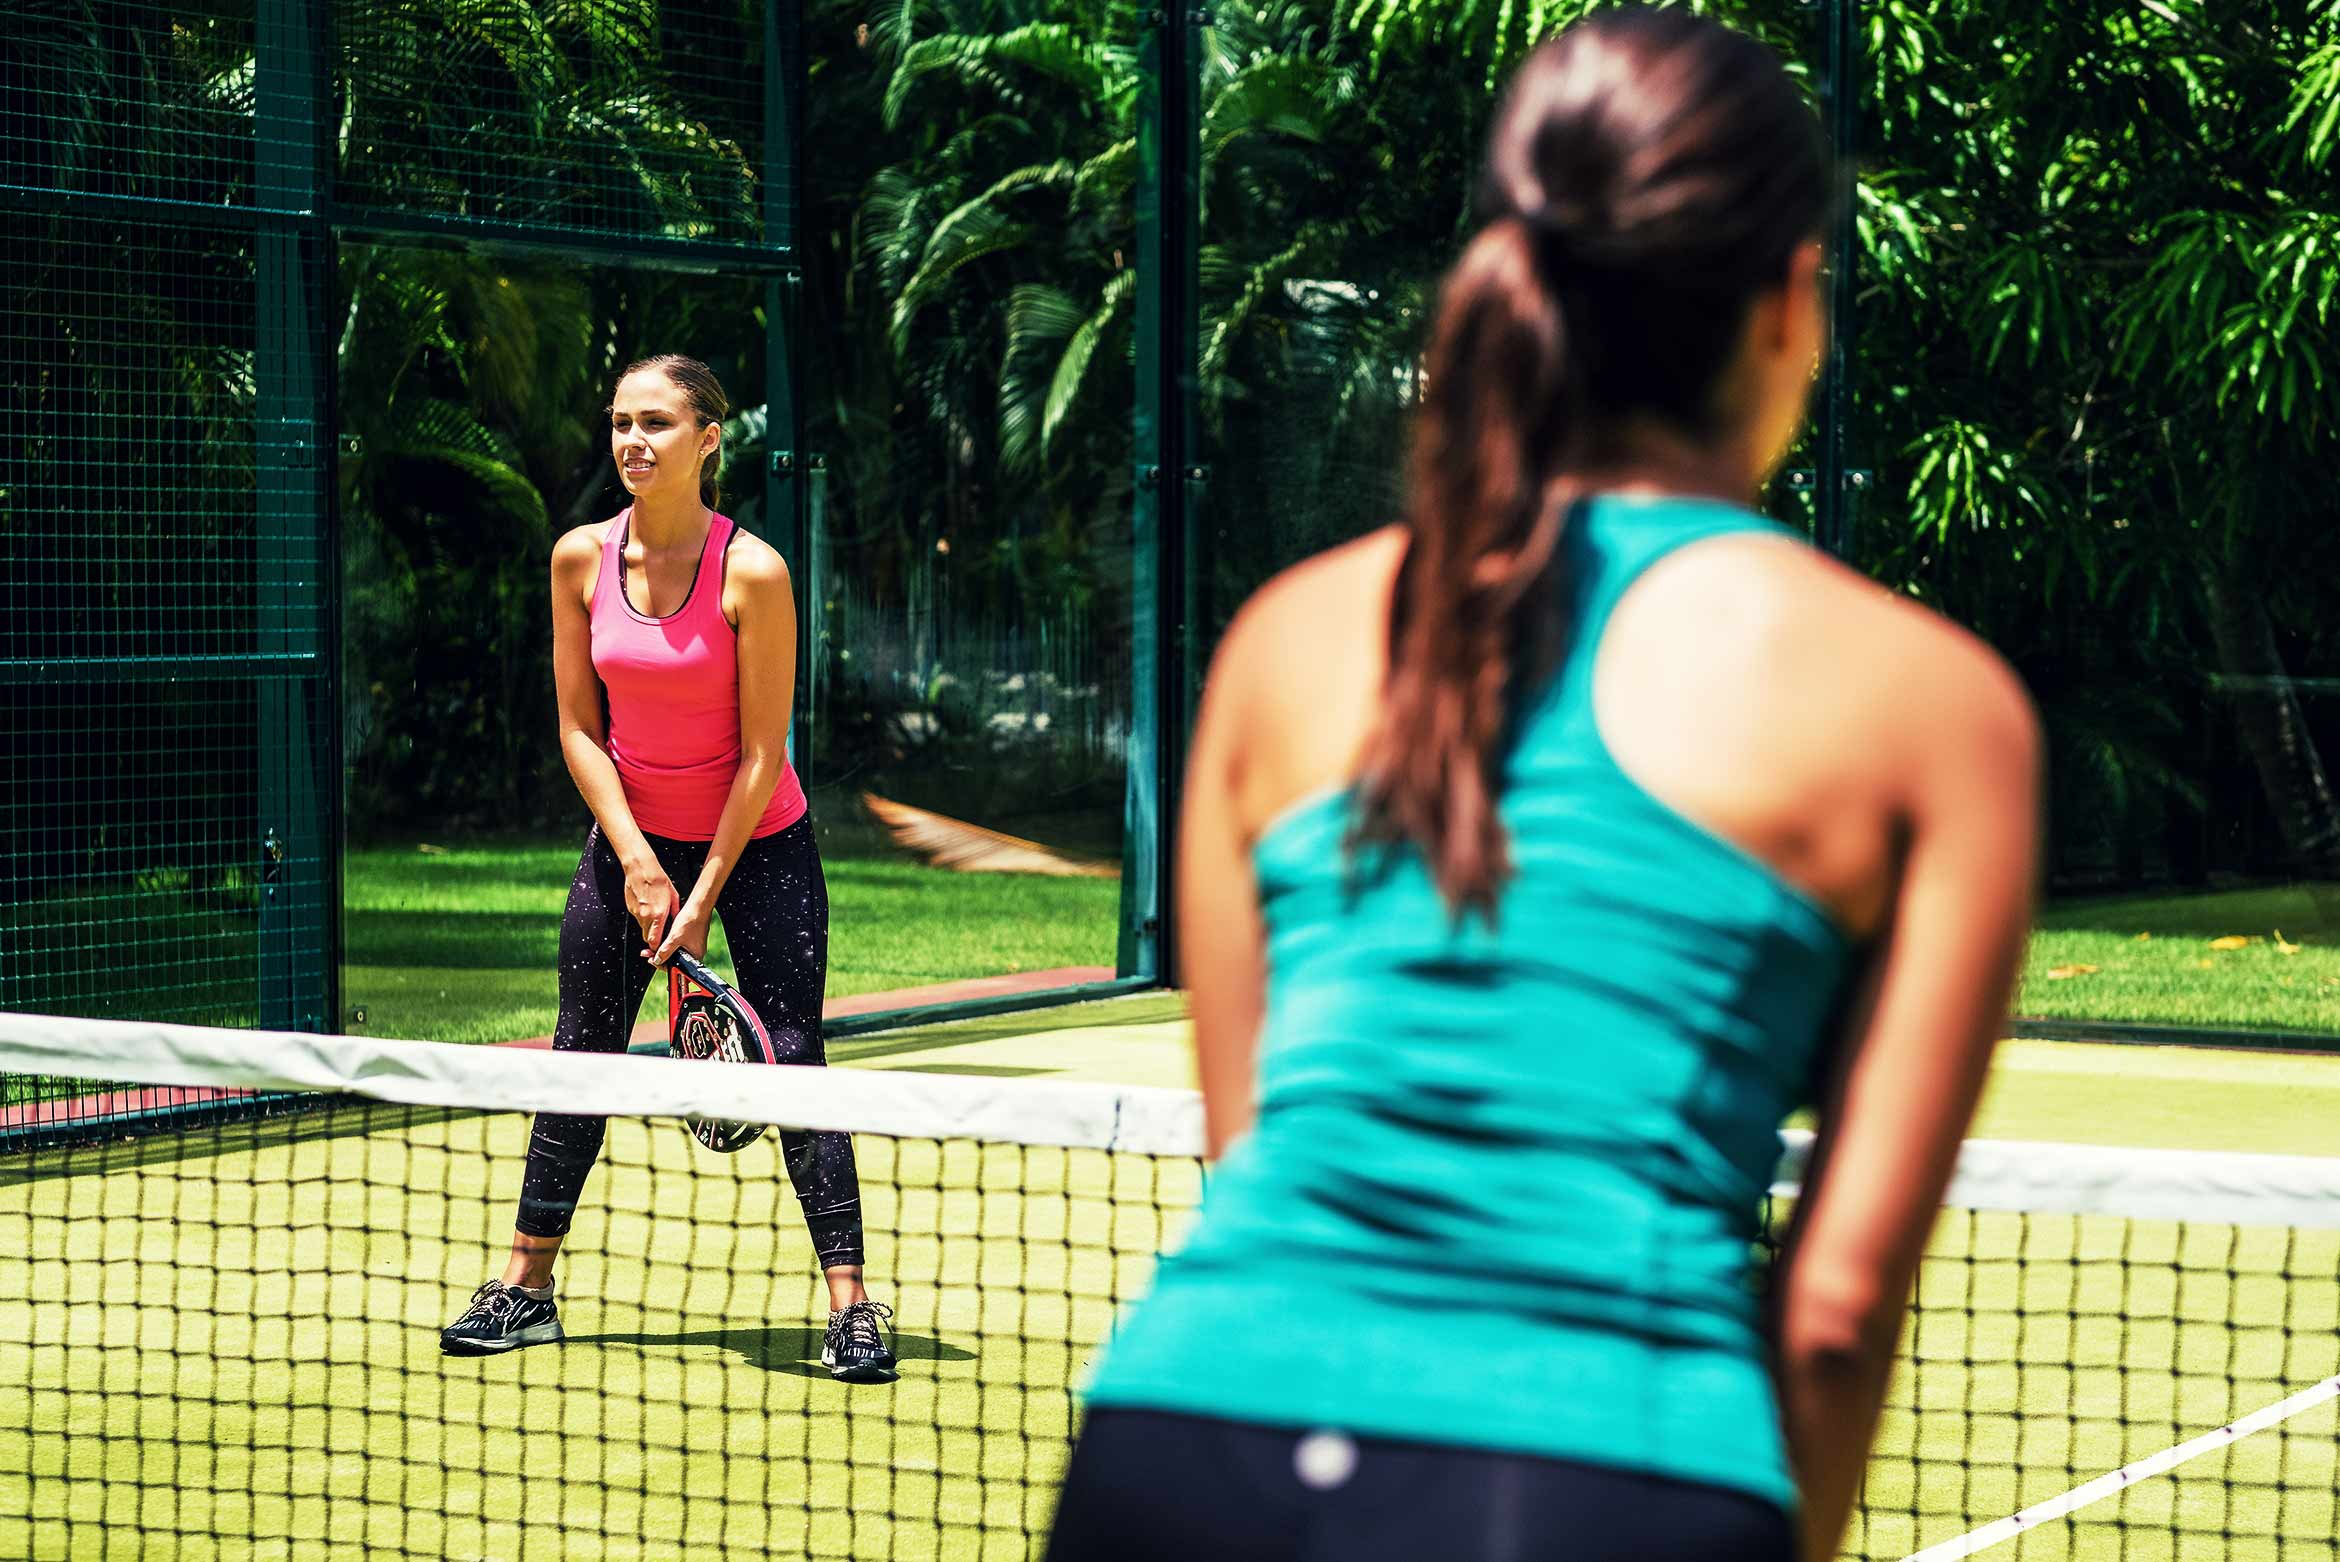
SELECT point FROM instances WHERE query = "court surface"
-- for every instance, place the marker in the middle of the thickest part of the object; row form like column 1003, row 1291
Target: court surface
column 688, row 1404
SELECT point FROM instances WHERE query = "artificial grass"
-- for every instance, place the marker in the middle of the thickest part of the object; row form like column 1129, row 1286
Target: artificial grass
column 2173, row 960
column 2046, row 1351
column 233, row 1351
column 2172, row 1098
column 226, row 1346
column 2169, row 1098
column 459, row 944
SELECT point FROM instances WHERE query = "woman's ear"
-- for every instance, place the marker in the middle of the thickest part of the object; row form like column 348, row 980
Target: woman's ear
column 1789, row 315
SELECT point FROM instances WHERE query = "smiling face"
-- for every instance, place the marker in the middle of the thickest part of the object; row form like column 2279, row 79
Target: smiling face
column 655, row 436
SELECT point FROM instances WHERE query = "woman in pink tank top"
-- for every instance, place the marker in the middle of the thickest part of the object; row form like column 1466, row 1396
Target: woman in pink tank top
column 674, row 654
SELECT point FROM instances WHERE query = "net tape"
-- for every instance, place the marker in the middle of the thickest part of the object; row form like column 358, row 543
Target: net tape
column 2228, row 1188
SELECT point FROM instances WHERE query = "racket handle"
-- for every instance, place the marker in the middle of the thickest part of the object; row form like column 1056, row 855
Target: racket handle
column 691, row 966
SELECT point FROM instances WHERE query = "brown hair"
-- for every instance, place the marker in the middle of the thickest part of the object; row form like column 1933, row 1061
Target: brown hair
column 708, row 404
column 1647, row 174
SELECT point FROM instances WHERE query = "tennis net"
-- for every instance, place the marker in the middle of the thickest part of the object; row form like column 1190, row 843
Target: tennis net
column 225, row 1257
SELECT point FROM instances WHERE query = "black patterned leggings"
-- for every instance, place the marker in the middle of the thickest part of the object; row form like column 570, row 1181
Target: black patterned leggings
column 775, row 913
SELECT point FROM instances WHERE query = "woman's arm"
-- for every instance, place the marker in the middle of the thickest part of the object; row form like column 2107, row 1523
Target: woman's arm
column 757, row 581
column 1221, row 939
column 1914, row 1057
column 584, row 743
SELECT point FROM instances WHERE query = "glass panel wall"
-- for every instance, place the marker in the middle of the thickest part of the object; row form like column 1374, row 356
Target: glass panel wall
column 1338, row 167
column 2093, row 376
column 472, row 390
column 969, row 305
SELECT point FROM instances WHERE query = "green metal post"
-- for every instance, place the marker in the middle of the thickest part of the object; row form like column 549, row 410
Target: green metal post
column 1838, row 483
column 787, row 467
column 296, row 852
column 1167, row 478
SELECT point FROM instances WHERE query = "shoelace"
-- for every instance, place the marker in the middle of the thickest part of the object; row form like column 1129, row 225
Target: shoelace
column 858, row 1323
column 493, row 1300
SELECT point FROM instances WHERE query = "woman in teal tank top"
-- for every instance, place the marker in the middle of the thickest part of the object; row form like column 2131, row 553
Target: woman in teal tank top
column 1520, row 910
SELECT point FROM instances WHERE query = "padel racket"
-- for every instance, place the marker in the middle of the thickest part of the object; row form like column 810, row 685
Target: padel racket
column 714, row 1022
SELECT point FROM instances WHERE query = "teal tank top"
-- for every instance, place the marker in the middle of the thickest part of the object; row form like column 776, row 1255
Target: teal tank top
column 1504, row 1183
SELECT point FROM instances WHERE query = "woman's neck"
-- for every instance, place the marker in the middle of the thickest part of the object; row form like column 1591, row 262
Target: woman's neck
column 674, row 522
column 1646, row 458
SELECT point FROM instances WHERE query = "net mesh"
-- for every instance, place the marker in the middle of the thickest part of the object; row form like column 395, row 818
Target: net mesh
column 224, row 1269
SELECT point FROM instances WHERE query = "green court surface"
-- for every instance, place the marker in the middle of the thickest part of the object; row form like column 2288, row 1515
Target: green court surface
column 460, row 943
column 2178, row 1098
column 308, row 1268
column 688, row 1408
column 2048, row 1351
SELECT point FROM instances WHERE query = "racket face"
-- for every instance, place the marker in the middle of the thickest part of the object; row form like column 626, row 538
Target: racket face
column 708, row 1029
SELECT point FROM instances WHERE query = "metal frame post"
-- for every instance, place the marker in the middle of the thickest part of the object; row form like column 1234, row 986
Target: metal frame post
column 787, row 468
column 1168, row 478
column 298, row 852
column 1839, row 484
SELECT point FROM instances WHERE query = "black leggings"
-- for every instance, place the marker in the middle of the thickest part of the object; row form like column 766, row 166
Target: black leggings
column 1151, row 1487
column 775, row 911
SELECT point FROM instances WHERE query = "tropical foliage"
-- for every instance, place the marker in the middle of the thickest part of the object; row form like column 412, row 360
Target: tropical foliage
column 2101, row 279
column 2099, row 308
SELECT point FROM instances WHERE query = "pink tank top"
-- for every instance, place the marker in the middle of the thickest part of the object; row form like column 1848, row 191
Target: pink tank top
column 673, row 686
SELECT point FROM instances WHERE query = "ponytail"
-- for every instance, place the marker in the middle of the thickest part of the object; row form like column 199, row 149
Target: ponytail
column 1648, row 172
column 1473, row 615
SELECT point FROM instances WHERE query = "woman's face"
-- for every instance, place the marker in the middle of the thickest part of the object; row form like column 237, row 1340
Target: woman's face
column 656, row 440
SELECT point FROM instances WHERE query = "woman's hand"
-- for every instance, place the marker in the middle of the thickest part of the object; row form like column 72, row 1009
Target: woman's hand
column 688, row 932
column 650, row 900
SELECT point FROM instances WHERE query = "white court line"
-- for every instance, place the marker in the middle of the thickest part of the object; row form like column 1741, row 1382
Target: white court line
column 2144, row 1469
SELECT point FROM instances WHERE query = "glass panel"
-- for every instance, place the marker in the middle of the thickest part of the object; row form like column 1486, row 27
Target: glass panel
column 1329, row 215
column 969, row 299
column 2094, row 381
column 472, row 397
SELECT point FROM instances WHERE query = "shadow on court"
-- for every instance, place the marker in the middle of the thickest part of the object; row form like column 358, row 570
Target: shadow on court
column 793, row 1349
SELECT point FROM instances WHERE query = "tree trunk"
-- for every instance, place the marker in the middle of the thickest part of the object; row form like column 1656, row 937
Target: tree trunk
column 2275, row 734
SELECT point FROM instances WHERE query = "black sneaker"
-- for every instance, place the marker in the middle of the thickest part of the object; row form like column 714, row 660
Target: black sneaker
column 500, row 1318
column 855, row 1349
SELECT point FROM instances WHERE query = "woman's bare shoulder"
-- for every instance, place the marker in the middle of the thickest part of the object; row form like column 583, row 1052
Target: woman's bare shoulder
column 750, row 558
column 576, row 556
column 1792, row 618
column 1324, row 596
column 584, row 541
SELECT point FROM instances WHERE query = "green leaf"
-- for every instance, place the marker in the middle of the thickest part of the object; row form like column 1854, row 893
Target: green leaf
column 1049, row 49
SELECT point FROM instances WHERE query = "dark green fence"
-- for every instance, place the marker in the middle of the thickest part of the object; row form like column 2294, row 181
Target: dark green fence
column 166, row 693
